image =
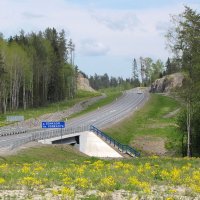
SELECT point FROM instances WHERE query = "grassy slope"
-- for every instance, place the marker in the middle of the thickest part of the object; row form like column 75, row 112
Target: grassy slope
column 149, row 121
column 111, row 95
column 46, row 153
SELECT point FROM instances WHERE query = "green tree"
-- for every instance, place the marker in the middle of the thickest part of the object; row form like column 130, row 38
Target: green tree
column 157, row 70
column 184, row 40
column 135, row 75
column 34, row 70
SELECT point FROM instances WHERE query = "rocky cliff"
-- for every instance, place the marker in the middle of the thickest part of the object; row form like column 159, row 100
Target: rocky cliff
column 83, row 83
column 167, row 83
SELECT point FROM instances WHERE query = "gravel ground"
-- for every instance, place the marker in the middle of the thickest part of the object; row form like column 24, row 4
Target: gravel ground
column 158, row 193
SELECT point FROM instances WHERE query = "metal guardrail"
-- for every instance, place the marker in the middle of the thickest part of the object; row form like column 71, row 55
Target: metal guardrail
column 12, row 131
column 121, row 147
column 41, row 135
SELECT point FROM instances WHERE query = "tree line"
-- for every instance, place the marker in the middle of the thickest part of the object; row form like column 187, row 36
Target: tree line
column 184, row 41
column 36, row 69
column 104, row 81
column 143, row 74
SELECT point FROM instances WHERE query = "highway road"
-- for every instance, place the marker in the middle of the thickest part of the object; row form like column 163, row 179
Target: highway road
column 106, row 116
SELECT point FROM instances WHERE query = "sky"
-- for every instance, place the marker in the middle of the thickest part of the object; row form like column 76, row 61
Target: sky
column 108, row 34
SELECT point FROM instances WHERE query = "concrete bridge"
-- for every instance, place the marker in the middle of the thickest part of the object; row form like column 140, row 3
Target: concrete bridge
column 87, row 142
column 93, row 143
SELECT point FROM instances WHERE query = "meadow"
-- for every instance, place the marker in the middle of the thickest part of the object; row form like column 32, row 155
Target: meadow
column 60, row 172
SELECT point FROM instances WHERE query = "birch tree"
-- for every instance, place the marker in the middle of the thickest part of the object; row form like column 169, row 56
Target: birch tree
column 184, row 41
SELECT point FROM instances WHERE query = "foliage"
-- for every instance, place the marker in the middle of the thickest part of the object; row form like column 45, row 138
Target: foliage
column 150, row 70
column 35, row 70
column 101, row 82
column 135, row 74
column 171, row 67
column 183, row 39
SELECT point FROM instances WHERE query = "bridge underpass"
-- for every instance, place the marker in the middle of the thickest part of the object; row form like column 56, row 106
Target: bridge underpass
column 87, row 142
column 69, row 140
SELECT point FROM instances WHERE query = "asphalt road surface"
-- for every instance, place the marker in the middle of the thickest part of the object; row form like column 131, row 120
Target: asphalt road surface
column 103, row 117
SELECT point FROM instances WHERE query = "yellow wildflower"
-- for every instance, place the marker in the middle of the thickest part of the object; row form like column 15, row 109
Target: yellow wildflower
column 195, row 187
column 30, row 181
column 118, row 165
column 108, row 181
column 127, row 166
column 67, row 192
column 25, row 169
column 38, row 169
column 140, row 169
column 172, row 191
column 139, row 184
column 164, row 174
column 175, row 175
column 82, row 182
column 147, row 166
column 80, row 170
column 67, row 180
column 55, row 192
column 2, row 180
column 98, row 165
column 3, row 167
column 196, row 176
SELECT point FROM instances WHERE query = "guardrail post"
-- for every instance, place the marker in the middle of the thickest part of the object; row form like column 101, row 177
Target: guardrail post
column 121, row 147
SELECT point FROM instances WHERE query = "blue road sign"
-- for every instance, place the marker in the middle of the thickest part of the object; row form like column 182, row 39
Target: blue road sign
column 53, row 124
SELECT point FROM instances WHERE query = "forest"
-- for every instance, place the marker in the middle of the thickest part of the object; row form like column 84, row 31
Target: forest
column 36, row 69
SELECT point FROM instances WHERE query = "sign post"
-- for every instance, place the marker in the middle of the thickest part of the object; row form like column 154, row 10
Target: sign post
column 54, row 125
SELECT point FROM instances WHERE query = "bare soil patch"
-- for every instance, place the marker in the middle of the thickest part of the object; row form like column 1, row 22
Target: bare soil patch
column 160, row 125
column 172, row 114
column 151, row 145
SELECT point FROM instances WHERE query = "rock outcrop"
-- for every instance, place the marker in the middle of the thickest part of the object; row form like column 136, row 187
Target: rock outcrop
column 83, row 83
column 167, row 83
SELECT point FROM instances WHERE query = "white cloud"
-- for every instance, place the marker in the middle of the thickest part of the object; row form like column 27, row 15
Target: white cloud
column 93, row 48
column 117, row 21
column 111, row 33
column 32, row 15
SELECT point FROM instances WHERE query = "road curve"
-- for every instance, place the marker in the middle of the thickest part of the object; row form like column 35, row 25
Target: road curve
column 106, row 116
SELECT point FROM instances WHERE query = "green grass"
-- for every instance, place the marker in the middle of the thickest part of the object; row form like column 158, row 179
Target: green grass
column 149, row 121
column 54, row 107
column 86, row 94
column 48, row 153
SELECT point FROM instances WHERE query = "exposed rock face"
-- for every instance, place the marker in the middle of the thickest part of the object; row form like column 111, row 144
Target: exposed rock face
column 83, row 83
column 167, row 83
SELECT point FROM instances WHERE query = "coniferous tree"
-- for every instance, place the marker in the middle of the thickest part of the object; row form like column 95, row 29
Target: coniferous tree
column 135, row 75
